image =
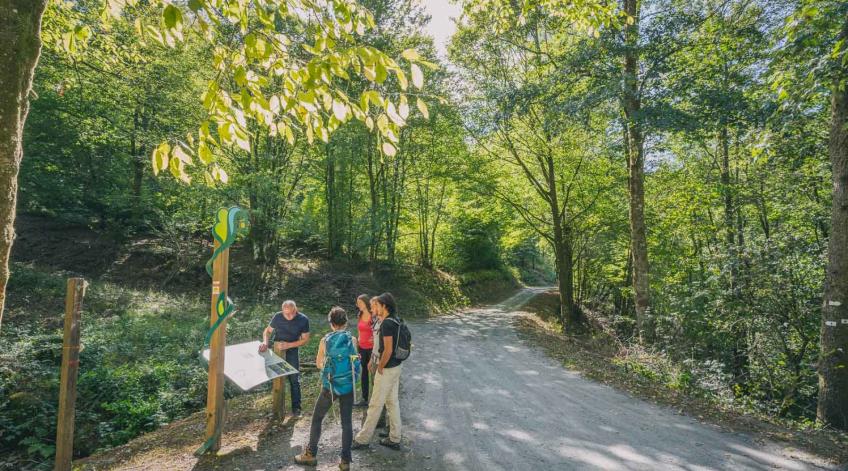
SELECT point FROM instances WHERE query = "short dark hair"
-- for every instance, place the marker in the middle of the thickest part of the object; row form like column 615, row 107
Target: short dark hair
column 337, row 316
column 386, row 299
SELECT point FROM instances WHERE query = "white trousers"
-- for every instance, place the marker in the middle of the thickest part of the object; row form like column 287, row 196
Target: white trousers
column 385, row 393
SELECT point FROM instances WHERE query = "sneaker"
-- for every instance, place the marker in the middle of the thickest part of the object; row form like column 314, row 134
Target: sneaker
column 362, row 403
column 386, row 442
column 359, row 446
column 344, row 465
column 296, row 413
column 384, row 433
column 306, row 458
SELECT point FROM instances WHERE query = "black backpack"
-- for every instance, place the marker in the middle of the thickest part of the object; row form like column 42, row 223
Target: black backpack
column 403, row 342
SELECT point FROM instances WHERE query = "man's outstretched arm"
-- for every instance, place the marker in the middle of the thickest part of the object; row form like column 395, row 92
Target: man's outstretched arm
column 265, row 334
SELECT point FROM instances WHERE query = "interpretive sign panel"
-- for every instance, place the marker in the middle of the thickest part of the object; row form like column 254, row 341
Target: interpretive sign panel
column 247, row 368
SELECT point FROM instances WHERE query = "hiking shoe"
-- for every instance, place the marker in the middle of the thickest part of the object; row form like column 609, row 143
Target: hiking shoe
column 344, row 465
column 386, row 442
column 362, row 403
column 359, row 446
column 306, row 458
column 384, row 433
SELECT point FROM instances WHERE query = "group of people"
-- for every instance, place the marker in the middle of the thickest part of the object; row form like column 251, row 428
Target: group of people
column 342, row 358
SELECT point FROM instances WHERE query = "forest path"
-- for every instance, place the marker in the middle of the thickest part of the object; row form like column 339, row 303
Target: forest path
column 476, row 397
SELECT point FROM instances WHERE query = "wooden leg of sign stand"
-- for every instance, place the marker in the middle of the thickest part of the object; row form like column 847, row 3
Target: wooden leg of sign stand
column 278, row 387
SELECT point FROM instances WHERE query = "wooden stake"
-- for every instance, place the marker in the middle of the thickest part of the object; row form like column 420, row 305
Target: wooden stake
column 70, row 369
column 215, row 390
column 278, row 387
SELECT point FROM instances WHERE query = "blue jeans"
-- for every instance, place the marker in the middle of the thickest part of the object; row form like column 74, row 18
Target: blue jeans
column 293, row 359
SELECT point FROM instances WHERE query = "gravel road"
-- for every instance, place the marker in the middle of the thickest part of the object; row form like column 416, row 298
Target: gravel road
column 476, row 397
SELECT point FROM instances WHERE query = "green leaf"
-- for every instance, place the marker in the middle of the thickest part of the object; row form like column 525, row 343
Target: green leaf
column 382, row 73
column 82, row 33
column 389, row 149
column 179, row 153
column 370, row 73
column 382, row 123
column 219, row 174
column 417, row 76
column 393, row 115
column 205, row 153
column 410, row 55
column 173, row 17
column 422, row 107
column 340, row 110
column 403, row 107
column 160, row 157
column 402, row 79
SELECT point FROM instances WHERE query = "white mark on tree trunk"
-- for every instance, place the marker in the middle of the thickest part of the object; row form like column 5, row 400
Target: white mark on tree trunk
column 834, row 303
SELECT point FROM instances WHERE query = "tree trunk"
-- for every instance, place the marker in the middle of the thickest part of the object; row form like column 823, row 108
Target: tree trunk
column 739, row 349
column 833, row 362
column 571, row 321
column 373, row 236
column 333, row 238
column 139, row 160
column 563, row 251
column 20, row 35
column 636, row 161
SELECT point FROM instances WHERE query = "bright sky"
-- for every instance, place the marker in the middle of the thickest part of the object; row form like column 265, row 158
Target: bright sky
column 441, row 27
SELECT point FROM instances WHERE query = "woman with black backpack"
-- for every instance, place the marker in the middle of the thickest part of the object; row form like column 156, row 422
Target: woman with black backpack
column 340, row 366
column 394, row 342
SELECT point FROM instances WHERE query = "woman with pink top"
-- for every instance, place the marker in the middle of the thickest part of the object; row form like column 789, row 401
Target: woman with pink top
column 366, row 344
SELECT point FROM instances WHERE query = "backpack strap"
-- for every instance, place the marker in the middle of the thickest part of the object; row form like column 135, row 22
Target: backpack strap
column 397, row 337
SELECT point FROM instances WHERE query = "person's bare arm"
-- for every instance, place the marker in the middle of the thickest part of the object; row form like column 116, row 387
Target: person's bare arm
column 386, row 355
column 265, row 333
column 319, row 358
column 304, row 337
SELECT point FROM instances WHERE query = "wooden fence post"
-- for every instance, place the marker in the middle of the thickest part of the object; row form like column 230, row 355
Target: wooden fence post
column 70, row 369
column 215, row 390
column 278, row 387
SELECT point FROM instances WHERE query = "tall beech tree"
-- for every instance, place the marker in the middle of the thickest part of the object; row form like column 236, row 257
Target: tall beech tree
column 20, row 33
column 814, row 64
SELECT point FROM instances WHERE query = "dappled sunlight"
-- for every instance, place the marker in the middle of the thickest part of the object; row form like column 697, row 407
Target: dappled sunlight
column 432, row 425
column 498, row 404
column 766, row 458
column 627, row 453
column 520, row 435
column 528, row 373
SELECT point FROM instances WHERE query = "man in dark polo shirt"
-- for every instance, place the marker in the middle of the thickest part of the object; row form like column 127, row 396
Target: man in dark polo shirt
column 291, row 328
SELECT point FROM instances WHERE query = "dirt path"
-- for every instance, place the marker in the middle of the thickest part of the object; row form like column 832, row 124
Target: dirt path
column 474, row 397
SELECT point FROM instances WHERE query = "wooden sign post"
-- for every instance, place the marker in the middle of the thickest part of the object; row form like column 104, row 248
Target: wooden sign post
column 229, row 224
column 70, row 369
column 215, row 390
column 278, row 387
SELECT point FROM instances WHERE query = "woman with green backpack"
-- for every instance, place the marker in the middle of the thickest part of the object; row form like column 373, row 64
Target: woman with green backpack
column 340, row 366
